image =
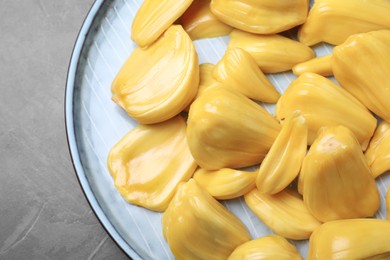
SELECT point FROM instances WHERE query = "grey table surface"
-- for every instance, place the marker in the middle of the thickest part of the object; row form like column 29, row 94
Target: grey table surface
column 43, row 212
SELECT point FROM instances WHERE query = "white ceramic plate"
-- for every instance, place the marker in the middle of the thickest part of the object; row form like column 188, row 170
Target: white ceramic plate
column 94, row 124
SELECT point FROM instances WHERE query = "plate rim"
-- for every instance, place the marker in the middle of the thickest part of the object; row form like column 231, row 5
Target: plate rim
column 71, row 136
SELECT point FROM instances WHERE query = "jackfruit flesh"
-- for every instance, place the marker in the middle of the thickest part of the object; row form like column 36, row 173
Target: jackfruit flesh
column 261, row 16
column 323, row 103
column 166, row 82
column 283, row 162
column 226, row 183
column 320, row 65
column 273, row 53
column 284, row 213
column 154, row 17
column 228, row 130
column 333, row 21
column 199, row 22
column 237, row 69
column 378, row 152
column 196, row 226
column 353, row 65
column 206, row 79
column 351, row 239
column 267, row 247
column 337, row 181
column 150, row 161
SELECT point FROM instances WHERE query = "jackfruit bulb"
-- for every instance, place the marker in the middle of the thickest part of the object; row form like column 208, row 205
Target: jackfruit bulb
column 228, row 130
column 196, row 226
column 337, row 181
column 166, row 82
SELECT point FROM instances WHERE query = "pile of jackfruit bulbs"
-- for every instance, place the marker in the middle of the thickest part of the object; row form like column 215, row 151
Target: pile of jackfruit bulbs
column 183, row 165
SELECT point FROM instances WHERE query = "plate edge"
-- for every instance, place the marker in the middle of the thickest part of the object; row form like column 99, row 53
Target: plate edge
column 70, row 132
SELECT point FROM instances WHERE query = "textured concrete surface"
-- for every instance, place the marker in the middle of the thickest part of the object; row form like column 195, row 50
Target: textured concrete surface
column 43, row 213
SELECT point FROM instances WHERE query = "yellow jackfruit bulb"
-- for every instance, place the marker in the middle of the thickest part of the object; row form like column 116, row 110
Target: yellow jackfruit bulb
column 351, row 239
column 228, row 130
column 333, row 21
column 206, row 79
column 237, row 69
column 283, row 162
column 261, row 16
column 323, row 103
column 226, row 183
column 272, row 53
column 337, row 181
column 267, row 247
column 154, row 17
column 166, row 82
column 199, row 22
column 353, row 63
column 284, row 213
column 150, row 161
column 320, row 65
column 378, row 152
column 196, row 226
